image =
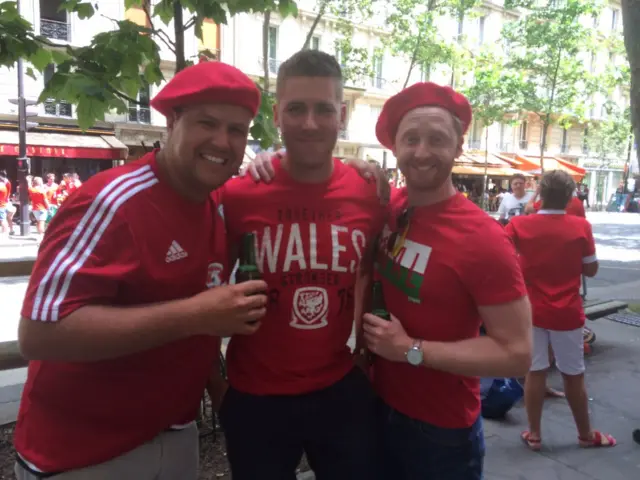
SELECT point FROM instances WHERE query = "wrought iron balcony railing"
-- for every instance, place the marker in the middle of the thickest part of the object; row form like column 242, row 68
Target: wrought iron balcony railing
column 55, row 30
column 140, row 114
column 58, row 109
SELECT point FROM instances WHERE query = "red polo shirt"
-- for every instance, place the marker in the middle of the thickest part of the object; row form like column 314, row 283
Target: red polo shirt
column 310, row 240
column 455, row 259
column 574, row 207
column 553, row 247
column 125, row 239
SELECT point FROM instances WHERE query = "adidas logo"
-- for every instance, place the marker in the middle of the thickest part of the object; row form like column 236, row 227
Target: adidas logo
column 175, row 252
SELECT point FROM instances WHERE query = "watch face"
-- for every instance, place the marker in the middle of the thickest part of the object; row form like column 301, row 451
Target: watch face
column 414, row 356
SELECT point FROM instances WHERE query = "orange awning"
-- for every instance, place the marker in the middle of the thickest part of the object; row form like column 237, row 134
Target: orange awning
column 478, row 158
column 531, row 164
column 492, row 171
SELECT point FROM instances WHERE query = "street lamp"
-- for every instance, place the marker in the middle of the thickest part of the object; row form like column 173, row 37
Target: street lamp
column 23, row 160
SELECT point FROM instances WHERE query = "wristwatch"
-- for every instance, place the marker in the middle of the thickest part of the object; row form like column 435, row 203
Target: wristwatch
column 414, row 354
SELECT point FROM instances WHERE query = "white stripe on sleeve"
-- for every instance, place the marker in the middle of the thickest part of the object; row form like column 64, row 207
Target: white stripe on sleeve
column 84, row 239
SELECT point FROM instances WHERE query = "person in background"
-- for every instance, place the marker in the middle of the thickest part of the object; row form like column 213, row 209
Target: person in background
column 5, row 200
column 513, row 204
column 574, row 207
column 555, row 250
column 11, row 208
column 51, row 188
column 39, row 204
column 76, row 183
column 64, row 188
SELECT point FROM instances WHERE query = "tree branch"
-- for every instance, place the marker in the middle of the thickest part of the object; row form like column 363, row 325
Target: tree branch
column 123, row 96
column 161, row 34
column 181, row 62
column 146, row 6
column 164, row 38
column 323, row 8
column 190, row 23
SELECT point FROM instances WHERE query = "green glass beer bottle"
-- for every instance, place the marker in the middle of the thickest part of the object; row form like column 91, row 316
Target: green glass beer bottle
column 248, row 267
column 378, row 307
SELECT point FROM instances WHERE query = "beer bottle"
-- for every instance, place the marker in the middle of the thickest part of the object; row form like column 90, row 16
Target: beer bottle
column 378, row 307
column 248, row 267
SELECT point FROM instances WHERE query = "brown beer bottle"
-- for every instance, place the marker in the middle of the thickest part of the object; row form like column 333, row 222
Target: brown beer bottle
column 378, row 307
column 248, row 267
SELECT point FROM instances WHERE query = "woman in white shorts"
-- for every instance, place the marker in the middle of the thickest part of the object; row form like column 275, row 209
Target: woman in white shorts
column 555, row 250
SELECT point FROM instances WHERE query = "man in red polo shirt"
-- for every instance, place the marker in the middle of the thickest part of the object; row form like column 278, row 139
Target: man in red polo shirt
column 446, row 267
column 555, row 250
column 293, row 385
column 117, row 321
column 574, row 207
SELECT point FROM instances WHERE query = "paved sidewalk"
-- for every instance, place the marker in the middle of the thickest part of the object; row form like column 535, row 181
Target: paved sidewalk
column 613, row 375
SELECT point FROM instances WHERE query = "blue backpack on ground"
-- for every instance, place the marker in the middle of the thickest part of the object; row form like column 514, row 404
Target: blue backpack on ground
column 499, row 395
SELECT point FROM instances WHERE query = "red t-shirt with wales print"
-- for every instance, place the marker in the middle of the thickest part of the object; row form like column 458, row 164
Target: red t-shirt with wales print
column 310, row 240
column 455, row 258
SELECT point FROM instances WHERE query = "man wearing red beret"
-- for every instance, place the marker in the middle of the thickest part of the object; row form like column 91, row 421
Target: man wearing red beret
column 446, row 267
column 118, row 323
column 294, row 387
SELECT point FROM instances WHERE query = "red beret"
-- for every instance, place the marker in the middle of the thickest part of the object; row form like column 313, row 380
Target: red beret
column 208, row 82
column 420, row 95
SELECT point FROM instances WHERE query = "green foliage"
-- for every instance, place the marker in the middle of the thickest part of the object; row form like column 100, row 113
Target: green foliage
column 108, row 74
column 609, row 139
column 356, row 61
column 264, row 129
column 545, row 45
column 17, row 39
column 496, row 91
column 100, row 77
column 415, row 36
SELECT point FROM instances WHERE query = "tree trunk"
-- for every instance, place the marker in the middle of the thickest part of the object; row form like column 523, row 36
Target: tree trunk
column 431, row 6
column 178, row 28
column 631, row 21
column 265, row 48
column 486, row 167
column 321, row 12
column 543, row 141
column 461, row 13
column 414, row 56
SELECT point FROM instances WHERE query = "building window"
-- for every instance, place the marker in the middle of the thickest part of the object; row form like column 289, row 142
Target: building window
column 475, row 140
column 343, row 134
column 585, row 141
column 524, row 144
column 274, row 64
column 52, row 107
column 425, row 73
column 481, row 22
column 141, row 112
column 375, row 113
column 377, row 81
column 615, row 14
column 564, row 148
column 340, row 56
column 54, row 23
column 315, row 43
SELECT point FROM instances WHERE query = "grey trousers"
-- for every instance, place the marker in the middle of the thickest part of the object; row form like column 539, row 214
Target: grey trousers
column 172, row 455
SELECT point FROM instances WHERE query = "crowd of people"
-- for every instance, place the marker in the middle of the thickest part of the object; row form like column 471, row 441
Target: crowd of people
column 44, row 199
column 132, row 291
